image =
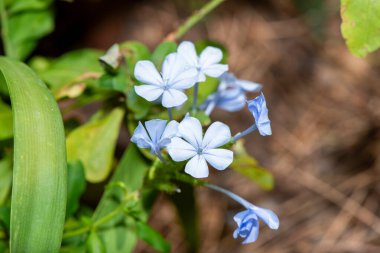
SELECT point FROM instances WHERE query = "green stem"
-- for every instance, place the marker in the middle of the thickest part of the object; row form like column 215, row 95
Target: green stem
column 88, row 228
column 195, row 18
column 4, row 30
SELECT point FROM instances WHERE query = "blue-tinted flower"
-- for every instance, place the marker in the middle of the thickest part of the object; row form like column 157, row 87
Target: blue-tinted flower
column 156, row 135
column 229, row 80
column 248, row 222
column 231, row 100
column 170, row 85
column 259, row 110
column 207, row 64
column 200, row 150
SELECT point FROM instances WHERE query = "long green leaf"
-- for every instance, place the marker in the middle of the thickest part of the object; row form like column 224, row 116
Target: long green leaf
column 39, row 171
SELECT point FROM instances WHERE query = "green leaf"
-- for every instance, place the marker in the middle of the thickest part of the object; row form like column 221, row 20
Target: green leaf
column 116, row 82
column 161, row 51
column 6, row 126
column 152, row 237
column 187, row 211
column 138, row 105
column 361, row 26
column 133, row 52
column 39, row 171
column 94, row 144
column 249, row 167
column 131, row 172
column 5, row 178
column 76, row 185
column 71, row 68
column 94, row 244
column 28, row 5
column 5, row 218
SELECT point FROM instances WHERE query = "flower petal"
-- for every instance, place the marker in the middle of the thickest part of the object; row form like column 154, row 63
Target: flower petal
column 209, row 56
column 187, row 50
column 219, row 158
column 254, row 232
column 238, row 218
column 149, row 92
column 190, row 129
column 170, row 130
column 267, row 216
column 172, row 98
column 179, row 150
column 231, row 100
column 141, row 137
column 172, row 66
column 197, row 167
column 249, row 86
column 186, row 79
column 259, row 110
column 155, row 128
column 215, row 70
column 216, row 135
column 146, row 72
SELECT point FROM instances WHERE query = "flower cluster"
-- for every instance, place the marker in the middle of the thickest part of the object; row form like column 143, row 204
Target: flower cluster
column 184, row 140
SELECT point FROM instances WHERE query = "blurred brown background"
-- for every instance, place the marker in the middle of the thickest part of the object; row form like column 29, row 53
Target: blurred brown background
column 323, row 103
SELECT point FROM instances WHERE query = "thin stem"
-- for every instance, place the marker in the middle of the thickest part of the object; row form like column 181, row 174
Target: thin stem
column 232, row 195
column 244, row 133
column 210, row 108
column 4, row 30
column 96, row 224
column 194, row 19
column 196, row 86
column 170, row 113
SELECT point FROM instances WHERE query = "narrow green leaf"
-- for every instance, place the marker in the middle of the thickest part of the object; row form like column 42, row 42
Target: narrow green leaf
column 94, row 144
column 161, row 51
column 6, row 128
column 152, row 237
column 249, row 167
column 76, row 185
column 5, row 178
column 361, row 25
column 39, row 171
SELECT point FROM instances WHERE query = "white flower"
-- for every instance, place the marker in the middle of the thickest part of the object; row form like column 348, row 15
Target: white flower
column 170, row 85
column 206, row 64
column 192, row 145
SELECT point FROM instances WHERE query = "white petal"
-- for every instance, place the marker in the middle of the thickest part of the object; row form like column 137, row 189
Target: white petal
column 216, row 135
column 179, row 150
column 190, row 129
column 209, row 56
column 141, row 137
column 186, row 79
column 268, row 216
column 172, row 66
column 155, row 128
column 219, row 158
column 170, row 130
column 249, row 86
column 146, row 72
column 215, row 70
column 239, row 217
column 172, row 98
column 149, row 92
column 201, row 77
column 187, row 50
column 197, row 167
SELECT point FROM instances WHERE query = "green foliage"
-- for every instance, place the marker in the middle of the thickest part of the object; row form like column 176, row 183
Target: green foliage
column 133, row 52
column 6, row 126
column 76, row 185
column 23, row 24
column 39, row 171
column 80, row 66
column 249, row 167
column 361, row 25
column 138, row 105
column 5, row 178
column 94, row 144
column 152, row 237
column 187, row 212
column 94, row 244
column 161, row 51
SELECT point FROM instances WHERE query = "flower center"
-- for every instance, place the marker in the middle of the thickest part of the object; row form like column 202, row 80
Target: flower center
column 199, row 150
